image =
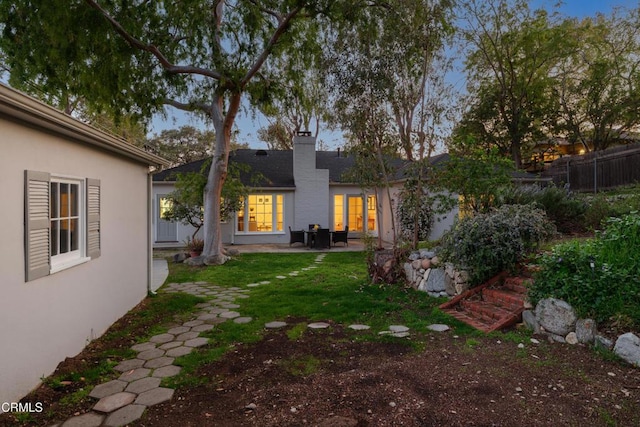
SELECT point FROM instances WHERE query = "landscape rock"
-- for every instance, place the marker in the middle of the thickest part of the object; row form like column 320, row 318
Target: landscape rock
column 571, row 338
column 435, row 261
column 602, row 342
column 628, row 348
column 427, row 254
column 180, row 257
column 586, row 330
column 215, row 260
column 426, row 263
column 556, row 316
column 196, row 261
column 461, row 288
column 449, row 286
column 529, row 320
column 435, row 280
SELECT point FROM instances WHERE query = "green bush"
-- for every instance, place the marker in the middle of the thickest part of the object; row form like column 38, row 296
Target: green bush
column 599, row 277
column 486, row 244
column 564, row 208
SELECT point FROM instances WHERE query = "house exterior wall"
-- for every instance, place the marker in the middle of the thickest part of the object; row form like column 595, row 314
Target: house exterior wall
column 48, row 319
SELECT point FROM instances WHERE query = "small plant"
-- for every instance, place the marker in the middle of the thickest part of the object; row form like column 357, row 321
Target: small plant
column 195, row 245
column 486, row 244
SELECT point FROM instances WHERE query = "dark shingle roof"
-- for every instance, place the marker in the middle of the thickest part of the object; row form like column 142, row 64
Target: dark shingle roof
column 276, row 166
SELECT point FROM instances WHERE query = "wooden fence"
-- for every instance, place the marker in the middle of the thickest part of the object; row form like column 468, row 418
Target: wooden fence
column 598, row 171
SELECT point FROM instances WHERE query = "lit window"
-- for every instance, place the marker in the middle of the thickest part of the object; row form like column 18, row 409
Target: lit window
column 262, row 213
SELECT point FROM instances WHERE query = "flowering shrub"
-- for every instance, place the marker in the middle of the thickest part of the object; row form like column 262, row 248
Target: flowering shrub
column 486, row 244
column 599, row 277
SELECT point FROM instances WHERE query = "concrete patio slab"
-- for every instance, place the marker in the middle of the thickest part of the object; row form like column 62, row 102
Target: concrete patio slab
column 114, row 402
column 107, row 389
column 90, row 419
column 144, row 384
column 125, row 416
column 155, row 396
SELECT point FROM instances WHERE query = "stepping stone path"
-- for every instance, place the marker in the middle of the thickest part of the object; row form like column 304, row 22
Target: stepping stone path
column 124, row 400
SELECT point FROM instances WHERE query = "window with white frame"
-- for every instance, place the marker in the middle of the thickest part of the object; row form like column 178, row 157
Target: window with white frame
column 261, row 213
column 62, row 222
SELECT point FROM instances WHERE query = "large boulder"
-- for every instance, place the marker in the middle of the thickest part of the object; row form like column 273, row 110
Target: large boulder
column 628, row 348
column 556, row 316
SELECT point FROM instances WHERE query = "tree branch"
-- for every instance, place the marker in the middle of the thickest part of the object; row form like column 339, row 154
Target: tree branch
column 282, row 28
column 152, row 49
column 190, row 106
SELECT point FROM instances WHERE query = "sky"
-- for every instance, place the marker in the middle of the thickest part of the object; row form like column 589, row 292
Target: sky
column 248, row 122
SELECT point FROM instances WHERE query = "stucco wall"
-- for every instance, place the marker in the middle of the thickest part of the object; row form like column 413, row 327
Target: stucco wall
column 45, row 320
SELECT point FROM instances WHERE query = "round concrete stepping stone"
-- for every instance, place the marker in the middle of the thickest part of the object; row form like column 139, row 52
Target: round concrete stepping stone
column 438, row 327
column 400, row 334
column 398, row 328
column 172, row 344
column 162, row 338
column 216, row 320
column 207, row 316
column 144, row 384
column 281, row 277
column 253, row 285
column 196, row 342
column 179, row 330
column 242, row 320
column 318, row 325
column 275, row 325
column 159, row 362
column 143, row 346
column 128, row 365
column 357, row 327
column 187, row 336
column 217, row 310
column 265, row 282
column 226, row 298
column 202, row 328
column 107, row 389
column 203, row 305
column 90, row 419
column 115, row 401
column 166, row 371
column 135, row 374
column 243, row 296
column 179, row 351
column 230, row 315
column 155, row 396
column 125, row 415
column 229, row 305
column 193, row 323
column 151, row 354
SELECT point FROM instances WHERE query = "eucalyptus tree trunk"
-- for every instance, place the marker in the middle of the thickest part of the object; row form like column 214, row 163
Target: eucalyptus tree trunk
column 222, row 122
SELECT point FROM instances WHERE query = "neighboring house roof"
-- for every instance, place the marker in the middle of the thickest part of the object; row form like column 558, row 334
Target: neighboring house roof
column 276, row 167
column 21, row 107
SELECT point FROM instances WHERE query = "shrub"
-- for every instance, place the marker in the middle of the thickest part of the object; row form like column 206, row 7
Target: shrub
column 489, row 243
column 599, row 277
column 564, row 208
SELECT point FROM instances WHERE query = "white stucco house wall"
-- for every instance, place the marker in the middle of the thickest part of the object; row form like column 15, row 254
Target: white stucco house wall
column 75, row 253
column 299, row 187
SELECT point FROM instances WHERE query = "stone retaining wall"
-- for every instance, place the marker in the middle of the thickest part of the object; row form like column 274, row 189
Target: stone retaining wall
column 426, row 273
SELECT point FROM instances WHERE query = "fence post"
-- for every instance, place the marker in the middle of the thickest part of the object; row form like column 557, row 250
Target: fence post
column 595, row 172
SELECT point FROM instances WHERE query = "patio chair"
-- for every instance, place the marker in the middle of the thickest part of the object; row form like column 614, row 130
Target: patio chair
column 323, row 239
column 341, row 236
column 296, row 236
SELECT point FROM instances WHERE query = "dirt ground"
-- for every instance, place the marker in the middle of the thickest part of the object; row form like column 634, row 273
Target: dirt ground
column 327, row 378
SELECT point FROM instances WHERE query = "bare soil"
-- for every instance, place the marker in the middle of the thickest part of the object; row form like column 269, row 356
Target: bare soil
column 329, row 378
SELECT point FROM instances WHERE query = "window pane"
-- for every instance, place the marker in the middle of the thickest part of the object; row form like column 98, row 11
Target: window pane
column 279, row 212
column 240, row 219
column 371, row 213
column 73, row 198
column 74, row 236
column 54, row 200
column 64, row 236
column 54, row 237
column 355, row 213
column 338, row 212
column 64, row 200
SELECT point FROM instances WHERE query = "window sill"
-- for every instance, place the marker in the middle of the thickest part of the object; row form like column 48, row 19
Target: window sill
column 65, row 265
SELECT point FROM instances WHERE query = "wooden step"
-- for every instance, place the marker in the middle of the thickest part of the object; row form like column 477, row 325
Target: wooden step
column 492, row 306
column 503, row 297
